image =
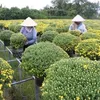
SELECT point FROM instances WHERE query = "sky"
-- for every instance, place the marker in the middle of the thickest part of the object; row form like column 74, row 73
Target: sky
column 35, row 4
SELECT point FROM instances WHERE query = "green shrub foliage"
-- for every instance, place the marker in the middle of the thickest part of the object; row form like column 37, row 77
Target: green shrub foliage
column 72, row 79
column 40, row 56
column 89, row 35
column 62, row 29
column 50, row 28
column 75, row 32
column 48, row 36
column 89, row 48
column 1, row 26
column 17, row 40
column 5, row 35
column 66, row 41
column 15, row 27
column 6, row 75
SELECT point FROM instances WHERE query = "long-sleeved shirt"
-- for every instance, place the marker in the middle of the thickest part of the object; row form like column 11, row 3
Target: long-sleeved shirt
column 31, row 35
column 81, row 27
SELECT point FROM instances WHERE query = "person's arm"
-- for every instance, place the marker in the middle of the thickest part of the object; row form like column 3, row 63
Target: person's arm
column 34, row 39
column 84, row 28
column 73, row 26
column 70, row 27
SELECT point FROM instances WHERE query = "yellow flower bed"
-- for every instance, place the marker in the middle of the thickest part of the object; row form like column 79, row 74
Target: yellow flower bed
column 92, row 25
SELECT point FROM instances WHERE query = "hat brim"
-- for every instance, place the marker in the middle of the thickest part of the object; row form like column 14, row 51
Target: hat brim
column 28, row 22
column 78, row 18
column 25, row 24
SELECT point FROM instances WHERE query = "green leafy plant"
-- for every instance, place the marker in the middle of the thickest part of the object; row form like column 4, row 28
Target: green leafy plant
column 5, row 35
column 89, row 48
column 75, row 32
column 6, row 76
column 89, row 35
column 17, row 40
column 62, row 29
column 1, row 26
column 72, row 79
column 50, row 28
column 66, row 41
column 40, row 56
column 48, row 36
column 15, row 27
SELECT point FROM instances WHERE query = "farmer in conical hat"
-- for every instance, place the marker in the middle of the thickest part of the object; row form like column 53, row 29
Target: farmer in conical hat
column 28, row 29
column 78, row 24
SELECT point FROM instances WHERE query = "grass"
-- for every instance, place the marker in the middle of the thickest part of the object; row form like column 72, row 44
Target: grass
column 23, row 91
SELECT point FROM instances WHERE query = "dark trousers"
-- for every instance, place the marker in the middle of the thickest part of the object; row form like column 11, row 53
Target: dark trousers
column 25, row 46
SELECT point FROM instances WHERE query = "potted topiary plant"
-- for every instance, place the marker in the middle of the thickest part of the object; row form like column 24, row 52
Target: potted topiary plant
column 89, row 48
column 17, row 42
column 62, row 28
column 50, row 28
column 75, row 32
column 67, row 42
column 1, row 26
column 48, row 36
column 5, row 36
column 39, row 57
column 15, row 27
column 72, row 79
column 90, row 35
column 6, row 76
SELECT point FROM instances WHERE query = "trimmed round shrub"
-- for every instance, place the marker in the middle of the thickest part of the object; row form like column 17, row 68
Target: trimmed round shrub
column 89, row 48
column 17, row 40
column 6, row 76
column 5, row 35
column 75, row 32
column 49, row 28
column 72, row 79
column 66, row 41
column 40, row 56
column 62, row 29
column 1, row 26
column 11, row 26
column 48, row 36
column 15, row 27
column 89, row 35
column 66, row 28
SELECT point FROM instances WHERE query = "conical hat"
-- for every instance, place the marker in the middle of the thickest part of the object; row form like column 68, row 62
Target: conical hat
column 78, row 18
column 29, row 22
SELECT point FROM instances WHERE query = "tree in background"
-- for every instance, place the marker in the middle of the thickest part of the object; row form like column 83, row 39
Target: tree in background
column 82, row 7
column 4, row 13
column 59, row 9
column 90, row 10
column 15, row 13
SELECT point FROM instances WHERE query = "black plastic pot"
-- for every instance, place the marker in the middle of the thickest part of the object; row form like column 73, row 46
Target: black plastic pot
column 71, row 53
column 39, row 81
column 17, row 52
column 7, row 42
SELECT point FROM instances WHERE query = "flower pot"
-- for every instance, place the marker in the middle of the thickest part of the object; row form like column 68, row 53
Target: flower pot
column 17, row 52
column 7, row 42
column 71, row 53
column 39, row 81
